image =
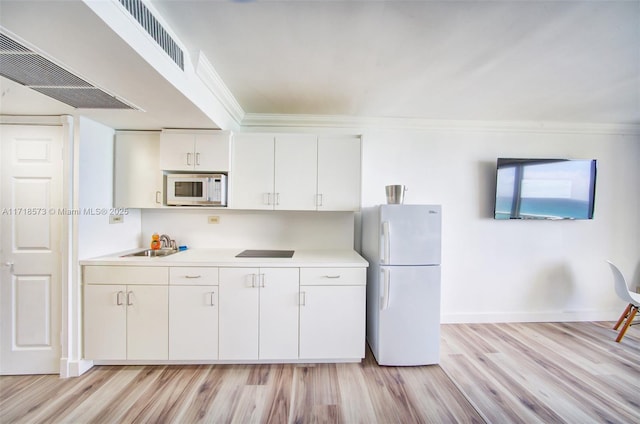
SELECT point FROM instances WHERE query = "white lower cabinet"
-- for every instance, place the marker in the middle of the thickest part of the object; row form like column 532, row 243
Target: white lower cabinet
column 332, row 313
column 231, row 314
column 258, row 313
column 193, row 313
column 126, row 322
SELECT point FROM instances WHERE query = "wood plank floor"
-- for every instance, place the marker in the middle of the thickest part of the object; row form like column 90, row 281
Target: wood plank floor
column 496, row 373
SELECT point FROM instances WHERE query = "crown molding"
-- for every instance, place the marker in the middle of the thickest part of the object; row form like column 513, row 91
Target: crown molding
column 210, row 78
column 343, row 121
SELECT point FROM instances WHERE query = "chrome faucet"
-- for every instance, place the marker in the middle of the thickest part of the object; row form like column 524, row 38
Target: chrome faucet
column 167, row 242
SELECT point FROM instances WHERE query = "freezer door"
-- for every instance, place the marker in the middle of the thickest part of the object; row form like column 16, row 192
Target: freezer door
column 409, row 316
column 410, row 234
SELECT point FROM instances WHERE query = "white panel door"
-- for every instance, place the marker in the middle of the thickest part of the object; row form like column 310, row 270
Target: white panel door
column 212, row 152
column 177, row 151
column 409, row 321
column 238, row 313
column 251, row 184
column 279, row 288
column 296, row 172
column 410, row 234
column 332, row 322
column 30, row 251
column 338, row 173
column 193, row 322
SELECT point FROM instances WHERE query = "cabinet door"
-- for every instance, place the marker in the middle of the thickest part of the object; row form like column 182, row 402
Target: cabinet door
column 295, row 182
column 147, row 322
column 238, row 313
column 177, row 151
column 212, row 152
column 105, row 322
column 279, row 294
column 332, row 322
column 137, row 172
column 193, row 322
column 339, row 173
column 251, row 184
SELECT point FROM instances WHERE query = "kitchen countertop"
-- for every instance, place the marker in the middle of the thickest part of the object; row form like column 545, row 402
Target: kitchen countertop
column 226, row 258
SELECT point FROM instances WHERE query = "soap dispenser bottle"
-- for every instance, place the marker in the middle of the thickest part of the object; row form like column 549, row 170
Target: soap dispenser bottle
column 155, row 241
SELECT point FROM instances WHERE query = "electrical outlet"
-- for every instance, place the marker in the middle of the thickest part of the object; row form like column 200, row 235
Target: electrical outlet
column 116, row 219
column 214, row 219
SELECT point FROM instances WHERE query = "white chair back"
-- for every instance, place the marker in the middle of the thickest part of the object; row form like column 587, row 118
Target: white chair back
column 622, row 290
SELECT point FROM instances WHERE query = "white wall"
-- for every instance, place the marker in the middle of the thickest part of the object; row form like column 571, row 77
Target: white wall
column 515, row 270
column 96, row 236
column 251, row 229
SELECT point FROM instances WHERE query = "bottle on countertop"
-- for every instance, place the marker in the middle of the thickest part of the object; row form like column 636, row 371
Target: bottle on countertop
column 155, row 241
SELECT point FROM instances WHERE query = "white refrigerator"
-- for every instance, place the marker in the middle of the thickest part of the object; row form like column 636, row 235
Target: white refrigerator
column 402, row 245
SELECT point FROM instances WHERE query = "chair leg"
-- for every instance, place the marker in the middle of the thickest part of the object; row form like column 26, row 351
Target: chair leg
column 623, row 316
column 632, row 314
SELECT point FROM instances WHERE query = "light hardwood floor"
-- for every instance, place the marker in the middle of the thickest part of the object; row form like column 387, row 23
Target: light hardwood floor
column 498, row 373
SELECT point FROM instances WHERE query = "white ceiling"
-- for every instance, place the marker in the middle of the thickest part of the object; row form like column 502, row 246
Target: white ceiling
column 566, row 61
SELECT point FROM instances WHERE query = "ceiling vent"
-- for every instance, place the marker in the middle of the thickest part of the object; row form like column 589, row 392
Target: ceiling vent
column 30, row 69
column 141, row 13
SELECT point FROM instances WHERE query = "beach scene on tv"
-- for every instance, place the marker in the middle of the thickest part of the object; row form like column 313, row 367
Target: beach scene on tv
column 544, row 189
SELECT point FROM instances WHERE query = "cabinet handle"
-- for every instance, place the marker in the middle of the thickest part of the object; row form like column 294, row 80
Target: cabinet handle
column 211, row 294
column 277, row 201
column 303, row 299
column 332, row 276
column 197, row 159
column 158, row 199
column 192, row 276
column 319, row 199
column 129, row 301
column 189, row 159
column 268, row 197
column 253, row 281
column 119, row 298
column 261, row 277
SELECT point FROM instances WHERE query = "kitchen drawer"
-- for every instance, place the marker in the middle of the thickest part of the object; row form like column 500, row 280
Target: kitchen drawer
column 333, row 276
column 126, row 275
column 193, row 275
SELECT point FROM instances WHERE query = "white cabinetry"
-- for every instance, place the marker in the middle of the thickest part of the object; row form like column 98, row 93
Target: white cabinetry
column 258, row 313
column 137, row 173
column 332, row 313
column 125, row 313
column 296, row 172
column 193, row 313
column 339, row 173
column 192, row 150
column 274, row 172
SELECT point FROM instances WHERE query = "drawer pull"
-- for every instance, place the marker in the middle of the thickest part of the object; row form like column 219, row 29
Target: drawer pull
column 119, row 298
column 332, row 276
column 129, row 298
column 211, row 295
column 193, row 276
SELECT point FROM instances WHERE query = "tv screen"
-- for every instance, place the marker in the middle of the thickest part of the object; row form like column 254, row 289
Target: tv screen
column 545, row 189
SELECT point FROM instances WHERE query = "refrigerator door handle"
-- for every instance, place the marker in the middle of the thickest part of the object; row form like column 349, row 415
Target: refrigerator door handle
column 387, row 243
column 386, row 286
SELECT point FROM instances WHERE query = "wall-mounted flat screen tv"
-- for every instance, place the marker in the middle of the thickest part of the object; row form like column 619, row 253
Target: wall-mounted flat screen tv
column 545, row 189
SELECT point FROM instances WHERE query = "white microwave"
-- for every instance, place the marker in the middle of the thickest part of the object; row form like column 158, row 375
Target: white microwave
column 196, row 189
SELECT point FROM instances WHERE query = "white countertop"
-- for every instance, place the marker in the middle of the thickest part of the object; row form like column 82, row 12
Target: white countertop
column 226, row 257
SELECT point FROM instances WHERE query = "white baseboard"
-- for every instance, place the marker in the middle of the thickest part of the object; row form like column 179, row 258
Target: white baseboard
column 498, row 317
column 74, row 368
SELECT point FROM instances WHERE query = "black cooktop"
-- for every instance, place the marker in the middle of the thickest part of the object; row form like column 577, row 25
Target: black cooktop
column 265, row 254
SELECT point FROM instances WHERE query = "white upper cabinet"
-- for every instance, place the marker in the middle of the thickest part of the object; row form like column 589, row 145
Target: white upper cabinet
column 339, row 173
column 295, row 172
column 191, row 150
column 138, row 177
column 251, row 185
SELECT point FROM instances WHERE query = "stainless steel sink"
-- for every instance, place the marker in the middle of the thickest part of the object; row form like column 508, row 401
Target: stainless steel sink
column 149, row 253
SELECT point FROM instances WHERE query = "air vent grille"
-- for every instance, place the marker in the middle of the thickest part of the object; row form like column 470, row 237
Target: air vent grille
column 28, row 68
column 139, row 11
